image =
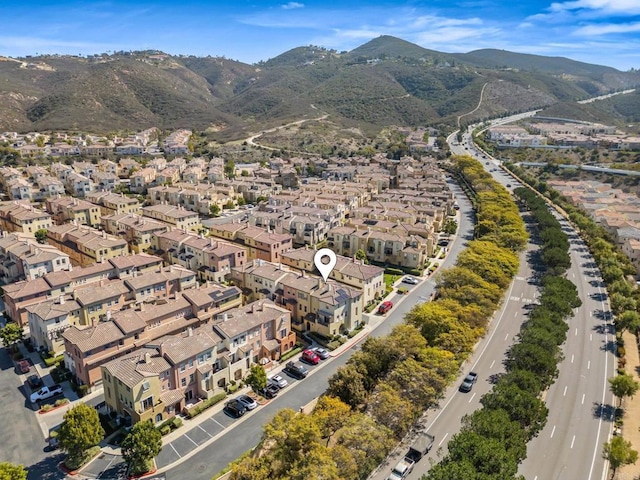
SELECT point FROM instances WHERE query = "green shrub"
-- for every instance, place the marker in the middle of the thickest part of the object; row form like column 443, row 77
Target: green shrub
column 46, row 407
column 393, row 271
column 83, row 390
column 165, row 430
column 201, row 407
column 294, row 351
column 176, row 422
column 415, row 272
column 621, row 351
column 232, row 388
column 62, row 401
column 53, row 434
column 51, row 361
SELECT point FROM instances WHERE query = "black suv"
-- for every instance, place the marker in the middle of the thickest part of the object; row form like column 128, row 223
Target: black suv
column 235, row 408
column 295, row 370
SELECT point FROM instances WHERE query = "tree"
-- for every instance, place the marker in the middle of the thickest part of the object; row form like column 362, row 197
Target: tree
column 244, row 173
column 229, row 204
column 214, row 210
column 140, row 447
column 619, row 452
column 627, row 320
column 41, row 235
column 241, row 201
column 361, row 255
column 450, row 227
column 257, row 378
column 10, row 471
column 11, row 334
column 80, row 430
column 623, row 386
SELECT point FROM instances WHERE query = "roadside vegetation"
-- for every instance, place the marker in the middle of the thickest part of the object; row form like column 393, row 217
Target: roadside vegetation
column 383, row 390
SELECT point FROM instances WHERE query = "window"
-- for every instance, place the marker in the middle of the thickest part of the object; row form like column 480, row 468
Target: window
column 182, row 367
column 183, row 382
column 145, row 386
column 191, row 363
column 191, row 378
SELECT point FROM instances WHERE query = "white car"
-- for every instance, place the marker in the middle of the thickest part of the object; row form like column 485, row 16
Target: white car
column 410, row 280
column 279, row 381
column 46, row 392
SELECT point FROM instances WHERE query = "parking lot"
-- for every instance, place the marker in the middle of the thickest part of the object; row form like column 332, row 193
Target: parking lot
column 106, row 467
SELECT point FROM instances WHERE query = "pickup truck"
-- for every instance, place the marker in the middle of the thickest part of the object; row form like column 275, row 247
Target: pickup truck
column 402, row 469
column 45, row 393
column 421, row 447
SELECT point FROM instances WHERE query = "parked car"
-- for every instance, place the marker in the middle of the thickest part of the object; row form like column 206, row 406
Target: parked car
column 310, row 356
column 410, row 280
column 279, row 381
column 271, row 390
column 295, row 370
column 321, row 352
column 34, row 381
column 23, row 366
column 248, row 402
column 467, row 383
column 235, row 408
column 45, row 393
column 385, row 307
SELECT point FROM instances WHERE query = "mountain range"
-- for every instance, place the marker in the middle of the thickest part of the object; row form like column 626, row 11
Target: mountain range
column 386, row 81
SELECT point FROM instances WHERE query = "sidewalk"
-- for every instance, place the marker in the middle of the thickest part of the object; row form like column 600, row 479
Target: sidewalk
column 631, row 425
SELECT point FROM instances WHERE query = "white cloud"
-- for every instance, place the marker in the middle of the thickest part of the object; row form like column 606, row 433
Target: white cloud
column 607, row 28
column 292, row 5
column 624, row 7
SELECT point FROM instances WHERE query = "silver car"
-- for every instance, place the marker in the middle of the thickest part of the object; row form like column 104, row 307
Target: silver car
column 279, row 381
column 321, row 352
column 248, row 402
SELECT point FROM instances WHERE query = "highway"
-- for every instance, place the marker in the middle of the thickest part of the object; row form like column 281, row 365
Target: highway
column 580, row 404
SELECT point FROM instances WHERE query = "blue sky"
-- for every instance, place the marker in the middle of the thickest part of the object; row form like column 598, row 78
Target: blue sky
column 605, row 32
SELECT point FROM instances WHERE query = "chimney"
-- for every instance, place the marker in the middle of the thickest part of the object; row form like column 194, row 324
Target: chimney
column 61, row 300
column 190, row 332
column 108, row 315
column 319, row 283
column 225, row 317
column 142, row 306
column 147, row 357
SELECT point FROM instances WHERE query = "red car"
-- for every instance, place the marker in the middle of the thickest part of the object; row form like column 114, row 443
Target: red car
column 23, row 366
column 310, row 357
column 385, row 307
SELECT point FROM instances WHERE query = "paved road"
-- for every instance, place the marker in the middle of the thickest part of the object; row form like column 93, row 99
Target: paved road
column 580, row 405
column 487, row 359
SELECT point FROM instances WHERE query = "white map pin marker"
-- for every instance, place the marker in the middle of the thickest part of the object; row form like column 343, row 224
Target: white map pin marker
column 325, row 268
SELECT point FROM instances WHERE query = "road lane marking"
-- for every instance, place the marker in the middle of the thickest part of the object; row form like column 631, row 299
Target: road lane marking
column 573, row 440
column 576, row 334
column 516, row 314
column 443, row 438
column 589, row 365
column 553, row 431
column 492, row 363
column 506, row 336
column 210, row 436
column 472, row 397
column 573, row 274
column 583, row 399
column 591, row 337
column 189, row 438
column 107, row 467
column 565, row 391
column 572, row 356
column 217, row 422
column 590, row 313
column 174, row 449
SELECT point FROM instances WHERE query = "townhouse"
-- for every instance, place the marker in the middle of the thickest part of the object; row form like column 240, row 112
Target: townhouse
column 74, row 210
column 22, row 217
column 368, row 278
column 23, row 258
column 329, row 308
column 142, row 179
column 113, row 203
column 259, row 243
column 87, row 349
column 85, row 245
column 78, row 185
column 138, row 231
column 178, row 217
column 19, row 295
column 211, row 258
